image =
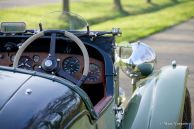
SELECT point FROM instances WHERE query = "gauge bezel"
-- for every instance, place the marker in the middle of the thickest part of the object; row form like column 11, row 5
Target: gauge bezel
column 77, row 63
column 98, row 71
column 36, row 58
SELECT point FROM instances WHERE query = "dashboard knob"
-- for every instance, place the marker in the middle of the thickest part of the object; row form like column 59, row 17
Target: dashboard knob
column 48, row 63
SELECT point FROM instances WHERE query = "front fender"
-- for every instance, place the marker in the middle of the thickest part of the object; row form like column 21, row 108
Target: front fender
column 158, row 101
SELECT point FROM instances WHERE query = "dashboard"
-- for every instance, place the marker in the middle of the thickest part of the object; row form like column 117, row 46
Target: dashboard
column 72, row 64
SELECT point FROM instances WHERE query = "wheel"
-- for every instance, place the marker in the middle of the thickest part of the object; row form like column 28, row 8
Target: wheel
column 186, row 120
column 49, row 64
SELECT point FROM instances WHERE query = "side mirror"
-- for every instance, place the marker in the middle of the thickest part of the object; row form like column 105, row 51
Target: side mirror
column 125, row 52
column 137, row 58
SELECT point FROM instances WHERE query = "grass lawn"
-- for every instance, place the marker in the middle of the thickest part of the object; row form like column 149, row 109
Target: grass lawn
column 140, row 20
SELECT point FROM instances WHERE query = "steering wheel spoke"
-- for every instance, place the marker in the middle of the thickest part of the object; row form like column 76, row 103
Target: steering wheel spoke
column 49, row 64
column 67, row 76
column 52, row 45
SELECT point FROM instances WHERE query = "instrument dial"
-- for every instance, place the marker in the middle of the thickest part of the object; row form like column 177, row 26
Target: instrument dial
column 36, row 58
column 25, row 62
column 1, row 56
column 71, row 65
column 12, row 57
column 94, row 73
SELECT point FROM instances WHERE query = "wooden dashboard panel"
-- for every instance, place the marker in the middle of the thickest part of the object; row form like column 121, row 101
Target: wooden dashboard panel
column 6, row 59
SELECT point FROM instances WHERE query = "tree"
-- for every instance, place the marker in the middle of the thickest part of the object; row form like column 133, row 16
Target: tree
column 66, row 6
column 118, row 5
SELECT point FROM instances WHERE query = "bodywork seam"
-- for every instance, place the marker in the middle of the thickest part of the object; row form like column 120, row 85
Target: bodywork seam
column 15, row 92
column 152, row 106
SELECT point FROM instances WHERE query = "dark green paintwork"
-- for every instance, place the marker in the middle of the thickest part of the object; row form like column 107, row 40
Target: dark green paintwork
column 158, row 101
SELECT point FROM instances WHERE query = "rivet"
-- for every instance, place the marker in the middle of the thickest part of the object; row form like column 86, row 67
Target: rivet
column 28, row 92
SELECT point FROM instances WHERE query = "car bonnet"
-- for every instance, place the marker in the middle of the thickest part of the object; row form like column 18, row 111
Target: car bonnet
column 29, row 101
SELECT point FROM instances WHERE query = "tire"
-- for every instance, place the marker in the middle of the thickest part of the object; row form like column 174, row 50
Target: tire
column 186, row 120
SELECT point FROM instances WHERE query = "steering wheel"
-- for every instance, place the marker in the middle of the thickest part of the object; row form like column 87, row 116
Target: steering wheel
column 50, row 64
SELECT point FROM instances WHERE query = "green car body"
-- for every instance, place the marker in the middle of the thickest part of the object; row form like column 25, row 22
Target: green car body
column 157, row 103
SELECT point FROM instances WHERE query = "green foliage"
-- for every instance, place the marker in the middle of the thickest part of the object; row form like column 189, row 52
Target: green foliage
column 140, row 19
column 135, row 27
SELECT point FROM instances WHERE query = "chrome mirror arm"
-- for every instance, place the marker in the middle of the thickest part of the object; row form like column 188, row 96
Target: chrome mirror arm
column 134, row 79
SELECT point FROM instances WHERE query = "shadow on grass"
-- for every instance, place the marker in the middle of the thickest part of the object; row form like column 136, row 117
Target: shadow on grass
column 154, row 8
column 153, row 4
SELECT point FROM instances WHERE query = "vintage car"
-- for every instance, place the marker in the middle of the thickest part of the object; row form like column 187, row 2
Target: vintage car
column 61, row 76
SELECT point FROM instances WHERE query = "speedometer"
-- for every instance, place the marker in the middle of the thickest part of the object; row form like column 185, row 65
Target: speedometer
column 71, row 65
column 94, row 73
